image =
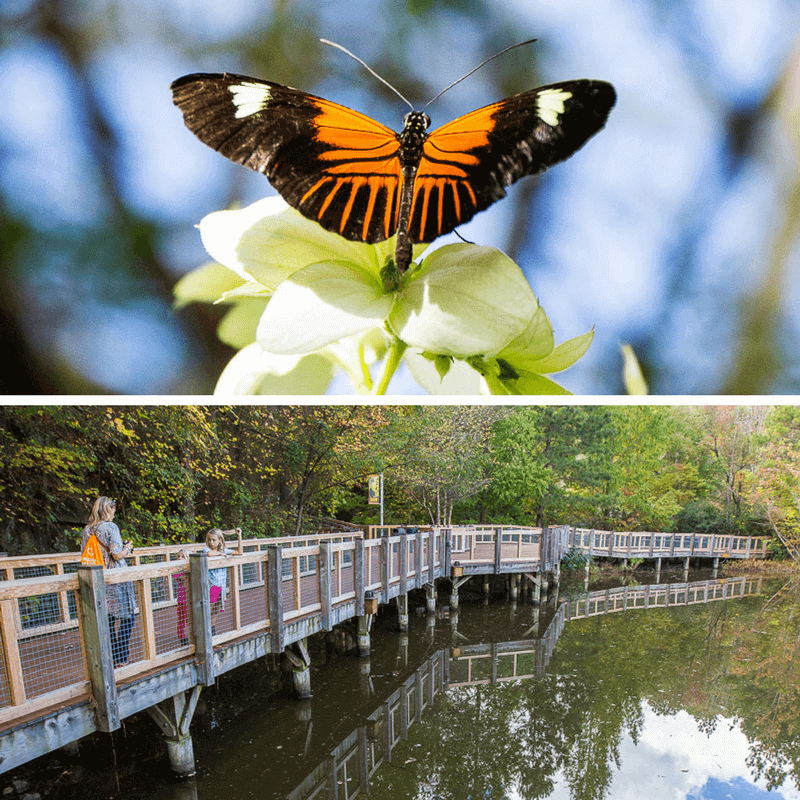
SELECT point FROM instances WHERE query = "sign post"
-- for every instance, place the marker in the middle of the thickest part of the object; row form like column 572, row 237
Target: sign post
column 375, row 492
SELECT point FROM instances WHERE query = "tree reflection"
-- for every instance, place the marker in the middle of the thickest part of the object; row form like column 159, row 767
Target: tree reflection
column 732, row 661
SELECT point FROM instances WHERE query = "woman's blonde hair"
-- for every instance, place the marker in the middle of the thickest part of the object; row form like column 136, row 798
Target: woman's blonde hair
column 102, row 510
column 214, row 532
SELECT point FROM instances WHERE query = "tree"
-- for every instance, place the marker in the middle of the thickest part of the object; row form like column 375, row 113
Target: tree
column 552, row 465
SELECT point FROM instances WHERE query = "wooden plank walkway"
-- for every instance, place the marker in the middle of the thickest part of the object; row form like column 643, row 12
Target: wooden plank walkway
column 57, row 682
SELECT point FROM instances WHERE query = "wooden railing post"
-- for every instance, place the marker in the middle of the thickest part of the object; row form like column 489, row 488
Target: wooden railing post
column 404, row 564
column 275, row 597
column 199, row 588
column 97, row 646
column 359, row 579
column 325, row 584
column 386, row 567
column 498, row 549
column 432, row 557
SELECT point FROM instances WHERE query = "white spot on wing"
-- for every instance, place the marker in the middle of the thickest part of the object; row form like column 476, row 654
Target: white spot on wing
column 550, row 105
column 249, row 98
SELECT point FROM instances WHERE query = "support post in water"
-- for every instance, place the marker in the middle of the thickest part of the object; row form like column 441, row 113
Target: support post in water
column 297, row 661
column 544, row 581
column 174, row 716
column 456, row 584
column 402, row 612
column 364, row 625
column 430, row 598
column 537, row 590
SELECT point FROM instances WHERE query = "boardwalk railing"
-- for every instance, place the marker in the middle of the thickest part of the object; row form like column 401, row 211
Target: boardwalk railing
column 628, row 598
column 641, row 544
column 54, row 629
column 276, row 596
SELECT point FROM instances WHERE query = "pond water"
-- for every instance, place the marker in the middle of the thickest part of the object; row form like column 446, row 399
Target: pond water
column 594, row 696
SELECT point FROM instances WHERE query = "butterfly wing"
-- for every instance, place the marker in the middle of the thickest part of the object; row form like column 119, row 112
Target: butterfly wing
column 334, row 165
column 467, row 164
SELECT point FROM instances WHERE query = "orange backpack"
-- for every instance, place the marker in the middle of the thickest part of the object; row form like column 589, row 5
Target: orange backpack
column 92, row 554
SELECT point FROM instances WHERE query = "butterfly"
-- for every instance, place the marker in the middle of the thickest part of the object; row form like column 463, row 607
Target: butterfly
column 366, row 182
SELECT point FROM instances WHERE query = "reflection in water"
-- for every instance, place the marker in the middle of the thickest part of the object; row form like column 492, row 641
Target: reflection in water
column 547, row 732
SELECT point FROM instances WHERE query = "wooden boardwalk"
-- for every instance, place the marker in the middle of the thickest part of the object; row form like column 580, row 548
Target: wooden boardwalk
column 57, row 679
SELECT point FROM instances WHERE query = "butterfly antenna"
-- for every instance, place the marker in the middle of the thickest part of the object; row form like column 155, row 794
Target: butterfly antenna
column 369, row 69
column 482, row 64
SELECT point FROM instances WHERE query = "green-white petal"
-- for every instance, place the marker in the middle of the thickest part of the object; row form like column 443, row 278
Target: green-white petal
column 534, row 343
column 205, row 284
column 269, row 241
column 465, row 300
column 253, row 371
column 563, row 356
column 460, row 379
column 320, row 304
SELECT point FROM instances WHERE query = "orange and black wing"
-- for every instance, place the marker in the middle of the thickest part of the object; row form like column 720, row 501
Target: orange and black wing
column 334, row 165
column 467, row 164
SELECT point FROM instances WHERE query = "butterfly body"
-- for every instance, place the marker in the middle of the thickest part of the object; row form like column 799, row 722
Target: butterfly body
column 360, row 179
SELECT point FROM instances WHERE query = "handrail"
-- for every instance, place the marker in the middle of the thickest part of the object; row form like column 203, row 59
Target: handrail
column 43, row 636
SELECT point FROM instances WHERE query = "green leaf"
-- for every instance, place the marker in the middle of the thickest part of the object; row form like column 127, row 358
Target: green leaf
column 632, row 372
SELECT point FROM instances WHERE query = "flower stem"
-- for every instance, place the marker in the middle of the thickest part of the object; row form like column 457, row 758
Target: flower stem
column 396, row 351
column 496, row 386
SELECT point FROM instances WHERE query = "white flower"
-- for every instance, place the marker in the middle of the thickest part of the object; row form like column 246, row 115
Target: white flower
column 306, row 303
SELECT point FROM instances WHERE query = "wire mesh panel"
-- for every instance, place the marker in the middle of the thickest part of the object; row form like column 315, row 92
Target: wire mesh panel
column 5, row 691
column 309, row 581
column 128, row 635
column 223, row 605
column 291, row 583
column 372, row 563
column 172, row 616
column 346, row 571
column 253, row 604
column 51, row 661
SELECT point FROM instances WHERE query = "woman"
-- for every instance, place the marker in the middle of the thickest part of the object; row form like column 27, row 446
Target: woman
column 120, row 597
column 218, row 578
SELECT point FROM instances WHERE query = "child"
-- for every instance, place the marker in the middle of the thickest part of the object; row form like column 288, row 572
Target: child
column 218, row 578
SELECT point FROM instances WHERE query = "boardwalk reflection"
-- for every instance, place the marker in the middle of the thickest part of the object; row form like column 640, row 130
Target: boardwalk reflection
column 347, row 772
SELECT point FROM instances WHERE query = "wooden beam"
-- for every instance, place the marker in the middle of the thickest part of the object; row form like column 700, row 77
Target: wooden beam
column 200, row 587
column 358, row 575
column 13, row 665
column 324, row 562
column 275, row 595
column 403, row 564
column 97, row 647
